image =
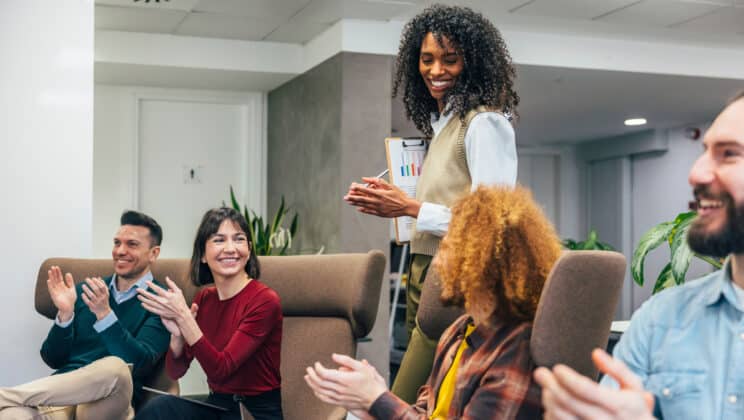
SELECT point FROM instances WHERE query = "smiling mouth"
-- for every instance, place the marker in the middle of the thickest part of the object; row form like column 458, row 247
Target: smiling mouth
column 705, row 206
column 440, row 84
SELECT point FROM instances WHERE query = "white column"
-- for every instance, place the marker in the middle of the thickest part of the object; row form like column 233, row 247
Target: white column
column 46, row 150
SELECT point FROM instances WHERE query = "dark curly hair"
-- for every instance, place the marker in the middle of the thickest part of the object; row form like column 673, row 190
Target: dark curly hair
column 488, row 74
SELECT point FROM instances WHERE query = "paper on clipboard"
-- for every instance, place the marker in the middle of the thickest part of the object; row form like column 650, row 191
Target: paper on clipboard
column 405, row 157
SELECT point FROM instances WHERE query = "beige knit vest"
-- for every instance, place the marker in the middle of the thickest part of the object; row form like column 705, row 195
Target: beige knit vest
column 445, row 176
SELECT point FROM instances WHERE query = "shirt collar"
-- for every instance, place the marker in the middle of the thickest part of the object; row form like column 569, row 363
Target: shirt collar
column 721, row 287
column 140, row 284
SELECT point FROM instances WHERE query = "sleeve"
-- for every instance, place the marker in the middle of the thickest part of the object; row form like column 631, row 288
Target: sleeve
column 389, row 406
column 144, row 349
column 491, row 150
column 56, row 349
column 491, row 154
column 507, row 387
column 253, row 330
column 633, row 347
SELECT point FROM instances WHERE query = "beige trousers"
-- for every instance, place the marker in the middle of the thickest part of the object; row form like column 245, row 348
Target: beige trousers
column 101, row 390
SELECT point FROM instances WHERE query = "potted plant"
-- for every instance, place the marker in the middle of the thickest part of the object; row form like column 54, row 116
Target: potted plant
column 673, row 233
column 268, row 238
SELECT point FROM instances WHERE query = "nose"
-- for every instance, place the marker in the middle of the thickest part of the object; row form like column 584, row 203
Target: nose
column 119, row 249
column 436, row 68
column 229, row 245
column 702, row 171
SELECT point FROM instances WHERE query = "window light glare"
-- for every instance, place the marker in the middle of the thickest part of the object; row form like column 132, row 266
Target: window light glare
column 631, row 122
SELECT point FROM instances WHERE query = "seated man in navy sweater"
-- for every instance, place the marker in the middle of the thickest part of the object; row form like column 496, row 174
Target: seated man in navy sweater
column 99, row 329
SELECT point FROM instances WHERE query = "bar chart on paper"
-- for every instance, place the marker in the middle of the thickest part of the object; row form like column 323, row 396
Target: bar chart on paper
column 411, row 161
column 405, row 162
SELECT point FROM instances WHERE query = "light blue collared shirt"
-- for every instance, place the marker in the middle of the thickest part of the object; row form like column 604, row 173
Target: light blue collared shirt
column 119, row 298
column 687, row 346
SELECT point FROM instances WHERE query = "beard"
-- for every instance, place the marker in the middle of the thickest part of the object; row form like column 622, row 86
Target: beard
column 727, row 240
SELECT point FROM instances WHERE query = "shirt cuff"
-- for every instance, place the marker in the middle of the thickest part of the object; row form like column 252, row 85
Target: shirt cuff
column 107, row 321
column 65, row 324
column 433, row 218
column 386, row 406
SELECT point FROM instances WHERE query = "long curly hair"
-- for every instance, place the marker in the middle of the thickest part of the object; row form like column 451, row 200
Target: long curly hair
column 487, row 77
column 497, row 254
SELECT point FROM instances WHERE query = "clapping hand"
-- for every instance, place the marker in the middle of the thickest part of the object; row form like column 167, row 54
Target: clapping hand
column 62, row 291
column 96, row 296
column 379, row 198
column 354, row 385
column 167, row 303
column 568, row 395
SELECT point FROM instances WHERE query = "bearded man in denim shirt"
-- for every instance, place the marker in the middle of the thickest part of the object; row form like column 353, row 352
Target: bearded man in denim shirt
column 683, row 354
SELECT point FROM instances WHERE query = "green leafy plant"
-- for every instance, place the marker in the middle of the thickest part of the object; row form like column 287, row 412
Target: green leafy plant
column 675, row 234
column 591, row 243
column 268, row 238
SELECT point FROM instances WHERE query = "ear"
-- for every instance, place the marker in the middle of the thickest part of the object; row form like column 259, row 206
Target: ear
column 154, row 253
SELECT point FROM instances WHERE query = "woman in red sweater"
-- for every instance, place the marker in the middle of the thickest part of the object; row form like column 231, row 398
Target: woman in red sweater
column 233, row 328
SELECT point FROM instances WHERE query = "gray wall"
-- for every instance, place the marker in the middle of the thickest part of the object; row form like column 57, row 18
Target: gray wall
column 326, row 128
column 636, row 189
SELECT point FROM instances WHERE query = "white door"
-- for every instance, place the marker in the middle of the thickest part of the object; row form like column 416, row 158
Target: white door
column 189, row 154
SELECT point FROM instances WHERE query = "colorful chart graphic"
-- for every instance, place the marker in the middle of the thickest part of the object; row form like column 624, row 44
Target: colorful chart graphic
column 411, row 162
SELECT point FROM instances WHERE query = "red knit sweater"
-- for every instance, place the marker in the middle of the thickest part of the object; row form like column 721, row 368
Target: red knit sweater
column 240, row 348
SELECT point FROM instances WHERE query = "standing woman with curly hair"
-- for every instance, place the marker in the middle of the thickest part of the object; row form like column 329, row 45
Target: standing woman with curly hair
column 493, row 262
column 457, row 82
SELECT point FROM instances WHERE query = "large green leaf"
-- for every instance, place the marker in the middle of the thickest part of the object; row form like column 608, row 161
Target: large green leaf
column 293, row 226
column 681, row 253
column 649, row 241
column 665, row 279
column 234, row 201
column 278, row 216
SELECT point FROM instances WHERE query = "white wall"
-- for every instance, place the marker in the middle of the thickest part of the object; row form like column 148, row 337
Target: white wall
column 116, row 141
column 46, row 121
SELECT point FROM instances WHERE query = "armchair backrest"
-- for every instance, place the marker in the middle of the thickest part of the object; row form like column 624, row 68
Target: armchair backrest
column 328, row 302
column 576, row 309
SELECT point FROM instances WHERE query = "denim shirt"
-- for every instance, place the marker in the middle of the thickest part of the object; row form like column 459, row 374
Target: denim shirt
column 687, row 346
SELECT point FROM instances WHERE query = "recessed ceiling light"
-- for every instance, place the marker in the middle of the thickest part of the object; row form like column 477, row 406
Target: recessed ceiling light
column 635, row 121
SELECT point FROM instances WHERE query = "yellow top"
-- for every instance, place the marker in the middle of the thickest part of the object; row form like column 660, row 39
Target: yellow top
column 447, row 389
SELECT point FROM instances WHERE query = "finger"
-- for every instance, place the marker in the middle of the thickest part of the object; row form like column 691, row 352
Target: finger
column 562, row 405
column 171, row 284
column 157, row 289
column 86, row 299
column 378, row 182
column 69, row 281
column 587, row 397
column 617, row 370
column 102, row 287
column 322, row 384
column 555, row 411
column 194, row 309
column 93, row 285
column 87, row 291
column 347, row 361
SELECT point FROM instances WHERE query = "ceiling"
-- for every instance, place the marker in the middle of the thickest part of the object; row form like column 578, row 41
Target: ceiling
column 299, row 21
column 557, row 104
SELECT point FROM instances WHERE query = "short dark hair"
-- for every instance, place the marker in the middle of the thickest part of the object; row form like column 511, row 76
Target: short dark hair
column 488, row 74
column 135, row 218
column 210, row 224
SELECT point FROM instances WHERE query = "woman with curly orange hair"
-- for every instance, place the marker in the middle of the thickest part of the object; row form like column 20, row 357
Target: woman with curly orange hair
column 493, row 261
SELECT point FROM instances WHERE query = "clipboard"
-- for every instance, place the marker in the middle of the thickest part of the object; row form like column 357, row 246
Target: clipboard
column 405, row 159
column 191, row 400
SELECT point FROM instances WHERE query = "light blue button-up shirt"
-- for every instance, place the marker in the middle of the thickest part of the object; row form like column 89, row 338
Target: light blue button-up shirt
column 687, row 346
column 119, row 297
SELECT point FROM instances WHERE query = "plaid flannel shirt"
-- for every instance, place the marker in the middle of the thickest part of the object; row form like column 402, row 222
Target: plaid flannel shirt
column 494, row 379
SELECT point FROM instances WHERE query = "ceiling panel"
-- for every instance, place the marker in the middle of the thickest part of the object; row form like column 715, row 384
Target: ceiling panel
column 724, row 20
column 223, row 26
column 297, row 32
column 133, row 19
column 253, row 8
column 660, row 12
column 576, row 9
column 329, row 11
column 185, row 5
column 486, row 7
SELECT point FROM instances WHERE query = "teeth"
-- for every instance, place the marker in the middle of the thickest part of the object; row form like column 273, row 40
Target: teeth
column 710, row 204
column 436, row 83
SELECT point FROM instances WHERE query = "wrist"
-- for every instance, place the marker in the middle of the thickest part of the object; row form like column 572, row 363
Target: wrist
column 102, row 314
column 413, row 208
column 64, row 316
column 373, row 396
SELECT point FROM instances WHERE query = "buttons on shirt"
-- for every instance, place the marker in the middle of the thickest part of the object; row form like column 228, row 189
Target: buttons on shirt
column 732, row 399
column 666, row 392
